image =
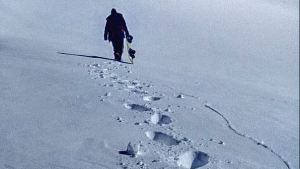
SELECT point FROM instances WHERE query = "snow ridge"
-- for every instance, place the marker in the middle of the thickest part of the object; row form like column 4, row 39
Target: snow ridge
column 248, row 137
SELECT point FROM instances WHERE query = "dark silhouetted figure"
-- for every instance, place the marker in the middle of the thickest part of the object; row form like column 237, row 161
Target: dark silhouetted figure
column 114, row 31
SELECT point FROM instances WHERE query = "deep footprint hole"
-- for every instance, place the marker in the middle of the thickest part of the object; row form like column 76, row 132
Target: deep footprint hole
column 160, row 119
column 151, row 98
column 137, row 107
column 165, row 120
column 162, row 138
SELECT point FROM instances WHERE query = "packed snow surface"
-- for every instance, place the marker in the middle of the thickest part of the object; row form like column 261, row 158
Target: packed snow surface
column 214, row 85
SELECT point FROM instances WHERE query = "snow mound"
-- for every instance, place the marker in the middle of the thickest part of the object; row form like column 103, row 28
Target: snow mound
column 192, row 159
column 132, row 150
column 162, row 138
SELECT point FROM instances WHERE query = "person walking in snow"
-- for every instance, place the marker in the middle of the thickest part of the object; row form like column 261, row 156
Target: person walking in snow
column 115, row 29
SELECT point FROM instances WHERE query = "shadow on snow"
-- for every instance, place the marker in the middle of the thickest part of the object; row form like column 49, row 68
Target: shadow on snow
column 88, row 56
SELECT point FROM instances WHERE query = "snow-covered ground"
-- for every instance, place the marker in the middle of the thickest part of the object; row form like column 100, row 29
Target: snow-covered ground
column 215, row 85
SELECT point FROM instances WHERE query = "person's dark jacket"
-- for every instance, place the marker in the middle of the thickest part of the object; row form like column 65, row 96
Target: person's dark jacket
column 115, row 27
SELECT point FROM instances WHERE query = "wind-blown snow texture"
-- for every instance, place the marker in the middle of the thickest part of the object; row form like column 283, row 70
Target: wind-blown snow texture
column 215, row 85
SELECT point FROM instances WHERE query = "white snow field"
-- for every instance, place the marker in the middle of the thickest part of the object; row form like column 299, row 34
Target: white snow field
column 215, row 85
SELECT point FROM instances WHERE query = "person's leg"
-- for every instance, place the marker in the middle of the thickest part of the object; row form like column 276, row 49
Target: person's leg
column 118, row 45
column 115, row 46
column 119, row 48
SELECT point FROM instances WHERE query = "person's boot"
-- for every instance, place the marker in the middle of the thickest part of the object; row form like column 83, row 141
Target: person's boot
column 117, row 56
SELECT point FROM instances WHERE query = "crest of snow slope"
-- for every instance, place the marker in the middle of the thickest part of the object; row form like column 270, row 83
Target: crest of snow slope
column 240, row 56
